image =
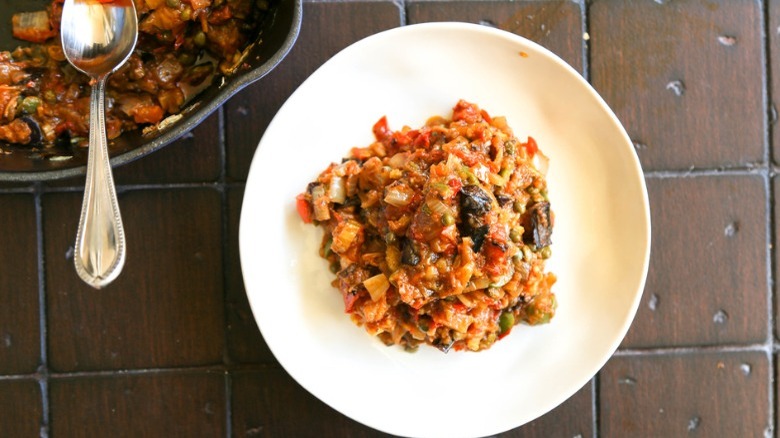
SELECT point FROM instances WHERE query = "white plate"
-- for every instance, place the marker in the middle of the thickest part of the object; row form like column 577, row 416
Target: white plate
column 601, row 240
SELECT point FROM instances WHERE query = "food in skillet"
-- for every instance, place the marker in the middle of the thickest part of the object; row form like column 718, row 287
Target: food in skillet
column 182, row 45
column 438, row 235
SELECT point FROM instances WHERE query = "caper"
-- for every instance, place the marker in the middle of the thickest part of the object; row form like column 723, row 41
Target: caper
column 527, row 254
column 518, row 207
column 516, row 234
column 173, row 3
column 186, row 58
column 199, row 39
column 509, row 147
column 546, row 252
column 447, row 219
column 186, row 13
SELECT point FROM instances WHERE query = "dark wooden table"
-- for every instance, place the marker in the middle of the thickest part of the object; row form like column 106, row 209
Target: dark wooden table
column 171, row 348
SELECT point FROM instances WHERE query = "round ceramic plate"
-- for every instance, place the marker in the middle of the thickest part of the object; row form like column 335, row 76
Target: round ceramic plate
column 601, row 240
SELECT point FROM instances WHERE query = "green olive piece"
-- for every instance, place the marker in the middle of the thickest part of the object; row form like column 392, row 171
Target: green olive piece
column 30, row 104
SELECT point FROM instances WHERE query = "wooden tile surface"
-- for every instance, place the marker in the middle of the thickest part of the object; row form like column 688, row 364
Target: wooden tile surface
column 667, row 70
column 172, row 348
column 244, row 341
column 553, row 24
column 700, row 223
column 186, row 404
column 195, row 157
column 168, row 302
column 21, row 410
column 698, row 394
column 315, row 45
column 19, row 304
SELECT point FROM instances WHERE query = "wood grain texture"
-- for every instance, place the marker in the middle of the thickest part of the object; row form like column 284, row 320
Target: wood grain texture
column 166, row 308
column 555, row 25
column 19, row 317
column 249, row 116
column 699, row 394
column 269, row 403
column 186, row 404
column 572, row 418
column 244, row 342
column 707, row 283
column 21, row 408
column 684, row 77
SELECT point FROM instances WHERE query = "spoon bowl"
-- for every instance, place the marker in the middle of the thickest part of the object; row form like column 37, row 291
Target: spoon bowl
column 97, row 38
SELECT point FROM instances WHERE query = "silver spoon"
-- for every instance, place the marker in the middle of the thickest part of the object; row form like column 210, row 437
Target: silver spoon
column 97, row 38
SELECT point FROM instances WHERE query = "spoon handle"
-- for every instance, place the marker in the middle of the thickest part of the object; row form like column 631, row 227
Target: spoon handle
column 99, row 253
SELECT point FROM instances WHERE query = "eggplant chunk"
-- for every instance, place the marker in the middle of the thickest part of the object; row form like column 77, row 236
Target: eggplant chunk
column 409, row 255
column 474, row 200
column 474, row 205
column 541, row 225
column 478, row 237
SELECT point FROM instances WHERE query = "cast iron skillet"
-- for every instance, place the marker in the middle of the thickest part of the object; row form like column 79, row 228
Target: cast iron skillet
column 275, row 38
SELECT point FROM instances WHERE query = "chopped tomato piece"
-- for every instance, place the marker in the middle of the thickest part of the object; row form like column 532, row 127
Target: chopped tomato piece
column 148, row 114
column 304, row 208
column 531, row 146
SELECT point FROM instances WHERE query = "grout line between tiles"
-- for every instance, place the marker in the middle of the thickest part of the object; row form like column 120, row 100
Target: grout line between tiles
column 225, row 248
column 42, row 375
column 221, row 186
column 771, row 215
column 585, row 20
column 750, row 169
column 585, row 45
column 228, row 405
column 685, row 350
column 217, row 368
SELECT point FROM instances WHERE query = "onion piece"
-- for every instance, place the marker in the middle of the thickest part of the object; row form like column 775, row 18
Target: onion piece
column 337, row 191
column 438, row 207
column 453, row 163
column 32, row 26
column 399, row 195
column 398, row 161
column 541, row 162
column 377, row 286
column 344, row 236
column 481, row 172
